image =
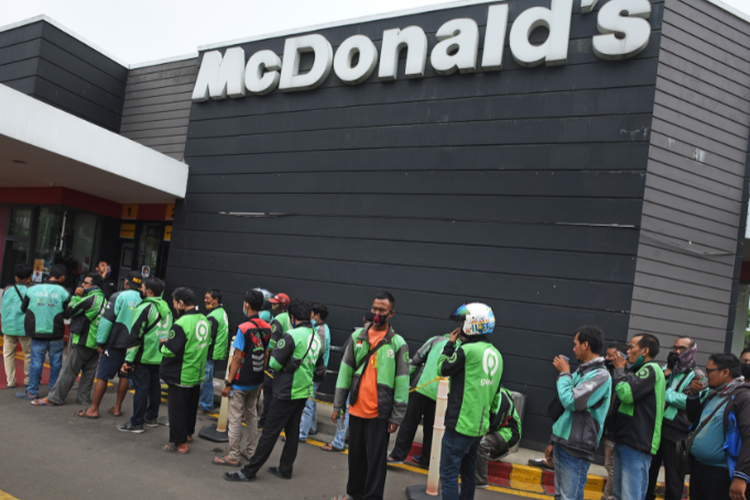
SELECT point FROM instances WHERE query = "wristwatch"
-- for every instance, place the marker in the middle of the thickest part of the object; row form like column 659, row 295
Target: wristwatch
column 227, row 384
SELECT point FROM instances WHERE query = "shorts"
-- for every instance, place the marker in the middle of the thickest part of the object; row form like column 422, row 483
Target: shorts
column 110, row 363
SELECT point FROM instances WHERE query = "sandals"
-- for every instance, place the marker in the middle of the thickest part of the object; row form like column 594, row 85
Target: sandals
column 170, row 448
column 39, row 402
column 247, row 457
column 84, row 414
column 224, row 461
column 330, row 447
column 111, row 411
column 339, row 497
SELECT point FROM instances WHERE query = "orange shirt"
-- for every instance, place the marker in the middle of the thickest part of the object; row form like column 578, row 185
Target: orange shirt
column 367, row 397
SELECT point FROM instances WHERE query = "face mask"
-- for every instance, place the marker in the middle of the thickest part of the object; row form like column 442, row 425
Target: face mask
column 672, row 360
column 209, row 307
column 376, row 319
column 638, row 362
column 244, row 310
column 313, row 323
column 609, row 365
column 745, row 367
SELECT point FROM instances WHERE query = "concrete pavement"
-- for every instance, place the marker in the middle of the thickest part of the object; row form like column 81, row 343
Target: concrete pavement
column 47, row 453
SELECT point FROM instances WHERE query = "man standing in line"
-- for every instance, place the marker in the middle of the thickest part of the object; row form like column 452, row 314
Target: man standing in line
column 279, row 326
column 309, row 423
column 85, row 310
column 109, row 286
column 504, row 434
column 585, row 400
column 475, row 369
column 219, row 321
column 720, row 468
column 152, row 322
column 245, row 378
column 374, row 373
column 422, row 402
column 44, row 306
column 182, row 368
column 680, row 372
column 637, row 421
column 112, row 339
column 297, row 360
column 14, row 332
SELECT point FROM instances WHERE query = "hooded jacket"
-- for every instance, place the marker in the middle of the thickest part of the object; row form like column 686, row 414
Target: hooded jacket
column 640, row 399
column 152, row 321
column 392, row 360
column 85, row 313
column 585, row 397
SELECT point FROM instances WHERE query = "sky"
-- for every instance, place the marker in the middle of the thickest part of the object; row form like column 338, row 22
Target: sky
column 139, row 31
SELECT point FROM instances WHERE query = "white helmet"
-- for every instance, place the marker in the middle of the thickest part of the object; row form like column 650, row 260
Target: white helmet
column 476, row 318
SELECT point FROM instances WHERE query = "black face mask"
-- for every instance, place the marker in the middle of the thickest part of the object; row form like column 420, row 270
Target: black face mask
column 745, row 368
column 609, row 365
column 376, row 319
column 672, row 359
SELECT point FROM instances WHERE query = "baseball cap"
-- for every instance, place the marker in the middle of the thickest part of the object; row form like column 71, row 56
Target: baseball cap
column 135, row 279
column 280, row 298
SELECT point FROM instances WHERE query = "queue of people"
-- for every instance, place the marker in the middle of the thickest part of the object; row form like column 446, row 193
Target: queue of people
column 679, row 416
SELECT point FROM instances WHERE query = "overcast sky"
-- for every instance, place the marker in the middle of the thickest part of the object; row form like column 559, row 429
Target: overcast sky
column 137, row 31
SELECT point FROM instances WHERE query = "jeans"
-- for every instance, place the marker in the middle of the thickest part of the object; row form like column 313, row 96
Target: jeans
column 339, row 441
column 630, row 473
column 147, row 397
column 570, row 475
column 459, row 454
column 674, row 481
column 309, row 423
column 39, row 349
column 207, row 389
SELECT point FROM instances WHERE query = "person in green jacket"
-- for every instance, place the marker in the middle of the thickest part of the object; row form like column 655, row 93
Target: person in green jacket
column 112, row 343
column 475, row 369
column 182, row 367
column 504, row 434
column 640, row 397
column 44, row 305
column 12, row 323
column 152, row 321
column 219, row 321
column 374, row 375
column 85, row 311
column 422, row 402
column 279, row 326
column 297, row 360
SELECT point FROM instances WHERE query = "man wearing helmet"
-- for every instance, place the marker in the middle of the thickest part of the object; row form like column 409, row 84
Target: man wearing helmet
column 475, row 369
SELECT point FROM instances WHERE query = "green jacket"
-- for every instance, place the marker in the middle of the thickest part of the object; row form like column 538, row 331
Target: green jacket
column 640, row 399
column 86, row 312
column 10, row 310
column 219, row 322
column 423, row 368
column 506, row 421
column 676, row 424
column 279, row 327
column 393, row 374
column 114, row 328
column 295, row 342
column 475, row 370
column 585, row 397
column 152, row 322
column 44, row 305
column 185, row 352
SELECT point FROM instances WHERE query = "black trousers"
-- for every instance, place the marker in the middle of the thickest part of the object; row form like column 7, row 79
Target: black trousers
column 267, row 395
column 283, row 414
column 147, row 397
column 368, row 449
column 709, row 482
column 182, row 403
column 673, row 480
column 419, row 406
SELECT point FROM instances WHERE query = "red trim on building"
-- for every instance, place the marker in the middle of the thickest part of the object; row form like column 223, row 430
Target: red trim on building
column 60, row 196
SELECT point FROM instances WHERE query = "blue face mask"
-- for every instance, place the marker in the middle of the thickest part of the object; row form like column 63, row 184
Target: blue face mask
column 313, row 323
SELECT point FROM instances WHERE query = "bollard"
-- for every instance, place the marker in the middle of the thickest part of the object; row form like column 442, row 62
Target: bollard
column 433, row 478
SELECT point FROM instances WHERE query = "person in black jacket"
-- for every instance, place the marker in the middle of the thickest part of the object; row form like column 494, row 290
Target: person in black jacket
column 720, row 468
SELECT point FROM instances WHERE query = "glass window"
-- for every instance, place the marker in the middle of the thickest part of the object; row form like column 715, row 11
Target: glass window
column 20, row 222
column 47, row 238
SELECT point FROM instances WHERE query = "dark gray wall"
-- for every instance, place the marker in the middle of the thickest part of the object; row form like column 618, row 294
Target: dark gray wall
column 42, row 61
column 157, row 105
column 688, row 258
column 521, row 188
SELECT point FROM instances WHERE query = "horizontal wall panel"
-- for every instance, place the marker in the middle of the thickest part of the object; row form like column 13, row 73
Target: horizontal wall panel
column 75, row 104
column 704, row 160
column 156, row 117
column 676, row 300
column 679, row 315
column 700, row 127
column 19, row 52
column 705, row 143
column 81, row 87
column 162, row 126
column 21, row 34
column 84, row 52
column 659, row 251
column 182, row 99
column 695, row 175
column 687, row 236
column 154, row 133
column 173, row 81
column 689, row 96
column 666, row 284
column 713, row 336
column 684, row 275
column 695, row 197
column 160, row 91
column 17, row 70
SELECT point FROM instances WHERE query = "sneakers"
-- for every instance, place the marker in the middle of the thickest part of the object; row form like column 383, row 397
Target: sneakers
column 238, row 476
column 128, row 427
column 151, row 423
column 482, row 486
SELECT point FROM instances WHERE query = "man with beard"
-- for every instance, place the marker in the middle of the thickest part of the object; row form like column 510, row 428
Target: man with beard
column 679, row 373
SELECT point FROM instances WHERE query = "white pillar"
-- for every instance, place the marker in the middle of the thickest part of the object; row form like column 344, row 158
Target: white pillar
column 433, row 478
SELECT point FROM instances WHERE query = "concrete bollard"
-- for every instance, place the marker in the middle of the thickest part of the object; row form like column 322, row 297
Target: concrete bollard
column 433, row 478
